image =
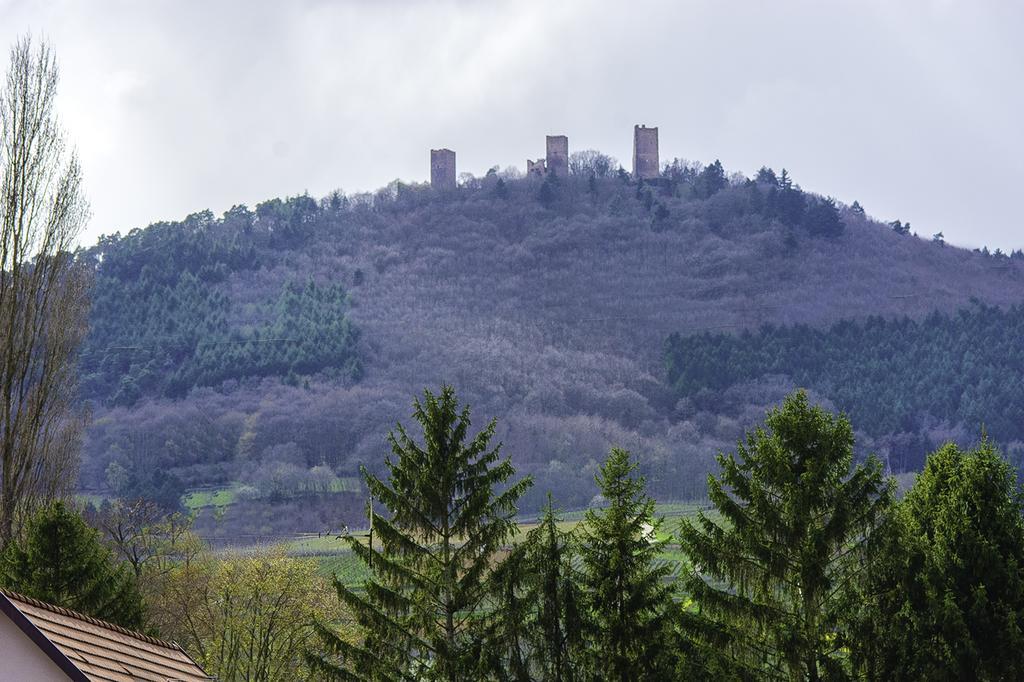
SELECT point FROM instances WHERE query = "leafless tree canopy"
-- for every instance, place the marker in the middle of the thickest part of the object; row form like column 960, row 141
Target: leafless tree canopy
column 591, row 161
column 43, row 302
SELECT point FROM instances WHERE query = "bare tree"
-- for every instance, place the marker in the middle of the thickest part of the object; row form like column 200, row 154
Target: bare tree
column 43, row 303
column 591, row 162
column 138, row 530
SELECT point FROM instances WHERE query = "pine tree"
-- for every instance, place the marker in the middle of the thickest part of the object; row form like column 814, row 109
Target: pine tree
column 774, row 580
column 945, row 596
column 61, row 560
column 535, row 628
column 556, row 626
column 433, row 573
column 500, row 190
column 627, row 602
column 504, row 650
column 711, row 180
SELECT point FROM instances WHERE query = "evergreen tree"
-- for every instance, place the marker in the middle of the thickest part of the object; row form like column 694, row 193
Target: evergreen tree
column 504, row 651
column 766, row 176
column 61, row 560
column 535, row 629
column 549, row 189
column 822, row 218
column 787, row 203
column 774, row 579
column 711, row 180
column 556, row 626
column 627, row 603
column 945, row 596
column 434, row 570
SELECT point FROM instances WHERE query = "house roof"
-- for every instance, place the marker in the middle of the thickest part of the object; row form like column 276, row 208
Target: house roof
column 88, row 649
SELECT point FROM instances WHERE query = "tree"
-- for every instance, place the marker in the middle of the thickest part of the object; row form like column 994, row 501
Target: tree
column 142, row 534
column 129, row 527
column 61, row 560
column 766, row 176
column 451, row 508
column 42, row 301
column 535, row 628
column 711, row 180
column 787, row 203
column 627, row 602
column 556, row 624
column 548, row 190
column 822, row 218
column 774, row 581
column 591, row 162
column 899, row 228
column 945, row 598
column 504, row 649
column 500, row 190
column 244, row 616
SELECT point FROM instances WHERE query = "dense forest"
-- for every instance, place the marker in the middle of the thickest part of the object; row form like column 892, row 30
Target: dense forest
column 268, row 349
column 891, row 376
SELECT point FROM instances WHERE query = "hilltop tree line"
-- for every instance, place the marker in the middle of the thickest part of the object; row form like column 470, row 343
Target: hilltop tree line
column 804, row 567
column 897, row 375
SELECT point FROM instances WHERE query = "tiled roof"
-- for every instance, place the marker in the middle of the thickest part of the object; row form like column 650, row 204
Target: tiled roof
column 98, row 650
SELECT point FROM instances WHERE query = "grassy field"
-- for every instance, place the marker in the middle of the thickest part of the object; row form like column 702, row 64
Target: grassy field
column 224, row 496
column 213, row 497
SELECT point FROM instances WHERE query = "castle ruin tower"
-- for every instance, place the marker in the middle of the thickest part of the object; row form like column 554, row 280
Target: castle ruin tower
column 645, row 153
column 535, row 169
column 442, row 169
column 558, row 155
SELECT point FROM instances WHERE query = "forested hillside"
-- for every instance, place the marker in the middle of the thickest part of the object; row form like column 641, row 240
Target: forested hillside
column 890, row 376
column 272, row 348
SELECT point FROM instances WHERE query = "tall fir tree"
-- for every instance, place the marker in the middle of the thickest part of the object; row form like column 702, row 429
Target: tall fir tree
column 773, row 580
column 504, row 653
column 450, row 505
column 61, row 560
column 945, row 597
column 629, row 607
column 535, row 627
column 556, row 627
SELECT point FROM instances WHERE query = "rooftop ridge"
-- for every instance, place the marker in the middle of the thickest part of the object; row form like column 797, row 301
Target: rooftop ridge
column 39, row 604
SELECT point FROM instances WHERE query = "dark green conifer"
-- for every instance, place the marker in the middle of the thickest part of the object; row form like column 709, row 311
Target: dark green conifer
column 945, row 594
column 627, row 602
column 450, row 510
column 556, row 629
column 773, row 579
column 61, row 560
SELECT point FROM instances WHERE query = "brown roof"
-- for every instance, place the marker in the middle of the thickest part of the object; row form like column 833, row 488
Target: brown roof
column 90, row 649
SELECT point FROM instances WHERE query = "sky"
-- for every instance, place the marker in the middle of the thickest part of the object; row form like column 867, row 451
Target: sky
column 914, row 108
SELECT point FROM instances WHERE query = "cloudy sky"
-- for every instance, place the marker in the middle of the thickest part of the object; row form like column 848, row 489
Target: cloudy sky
column 915, row 108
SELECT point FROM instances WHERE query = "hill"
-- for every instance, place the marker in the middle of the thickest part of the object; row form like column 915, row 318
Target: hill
column 271, row 350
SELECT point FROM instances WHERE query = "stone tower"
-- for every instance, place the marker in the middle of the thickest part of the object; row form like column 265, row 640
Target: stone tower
column 442, row 169
column 645, row 153
column 558, row 155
